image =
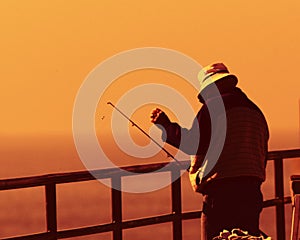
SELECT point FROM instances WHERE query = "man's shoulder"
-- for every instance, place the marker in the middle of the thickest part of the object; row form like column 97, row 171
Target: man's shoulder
column 238, row 99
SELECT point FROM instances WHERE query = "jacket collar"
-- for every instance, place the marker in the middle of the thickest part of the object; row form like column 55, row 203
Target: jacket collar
column 235, row 92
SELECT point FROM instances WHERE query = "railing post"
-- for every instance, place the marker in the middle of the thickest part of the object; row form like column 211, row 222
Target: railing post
column 51, row 214
column 116, row 202
column 176, row 204
column 279, row 194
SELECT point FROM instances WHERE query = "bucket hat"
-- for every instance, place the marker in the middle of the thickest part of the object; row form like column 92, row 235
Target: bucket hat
column 213, row 73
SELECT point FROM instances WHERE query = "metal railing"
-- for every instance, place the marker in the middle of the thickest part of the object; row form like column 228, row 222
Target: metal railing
column 117, row 224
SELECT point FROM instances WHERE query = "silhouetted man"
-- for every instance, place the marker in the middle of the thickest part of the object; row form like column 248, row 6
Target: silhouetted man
column 228, row 165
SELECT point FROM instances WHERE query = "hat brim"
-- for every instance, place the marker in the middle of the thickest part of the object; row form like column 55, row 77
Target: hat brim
column 230, row 79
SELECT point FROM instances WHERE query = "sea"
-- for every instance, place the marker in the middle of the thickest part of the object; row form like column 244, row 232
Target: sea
column 89, row 203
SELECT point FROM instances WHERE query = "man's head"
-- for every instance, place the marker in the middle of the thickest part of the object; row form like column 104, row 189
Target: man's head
column 217, row 73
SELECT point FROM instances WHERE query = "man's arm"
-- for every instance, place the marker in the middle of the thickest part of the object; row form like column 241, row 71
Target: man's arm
column 187, row 140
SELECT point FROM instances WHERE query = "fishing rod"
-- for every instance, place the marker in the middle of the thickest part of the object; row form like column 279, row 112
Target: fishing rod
column 135, row 125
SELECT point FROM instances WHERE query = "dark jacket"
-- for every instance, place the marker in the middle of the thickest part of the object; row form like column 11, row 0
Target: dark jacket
column 234, row 145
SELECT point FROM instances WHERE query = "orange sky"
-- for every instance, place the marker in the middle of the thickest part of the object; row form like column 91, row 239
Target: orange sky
column 48, row 48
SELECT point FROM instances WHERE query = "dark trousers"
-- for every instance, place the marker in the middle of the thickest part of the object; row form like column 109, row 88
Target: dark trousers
column 229, row 204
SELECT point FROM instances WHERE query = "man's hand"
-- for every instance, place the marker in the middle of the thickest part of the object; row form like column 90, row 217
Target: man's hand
column 159, row 117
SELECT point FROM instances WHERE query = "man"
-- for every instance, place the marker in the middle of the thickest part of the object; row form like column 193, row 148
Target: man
column 231, row 124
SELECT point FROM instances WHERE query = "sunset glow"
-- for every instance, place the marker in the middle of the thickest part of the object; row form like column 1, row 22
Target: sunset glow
column 49, row 48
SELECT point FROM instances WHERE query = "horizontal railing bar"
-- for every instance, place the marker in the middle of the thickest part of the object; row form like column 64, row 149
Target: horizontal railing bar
column 110, row 226
column 59, row 178
column 79, row 176
column 42, row 180
column 191, row 215
column 292, row 153
column 83, row 231
column 277, row 201
column 148, row 221
column 68, row 233
column 37, row 236
column 127, row 224
column 160, row 219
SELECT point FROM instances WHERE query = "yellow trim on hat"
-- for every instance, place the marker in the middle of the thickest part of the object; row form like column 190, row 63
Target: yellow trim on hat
column 204, row 81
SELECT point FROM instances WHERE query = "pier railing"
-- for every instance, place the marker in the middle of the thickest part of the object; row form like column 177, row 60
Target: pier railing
column 117, row 224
